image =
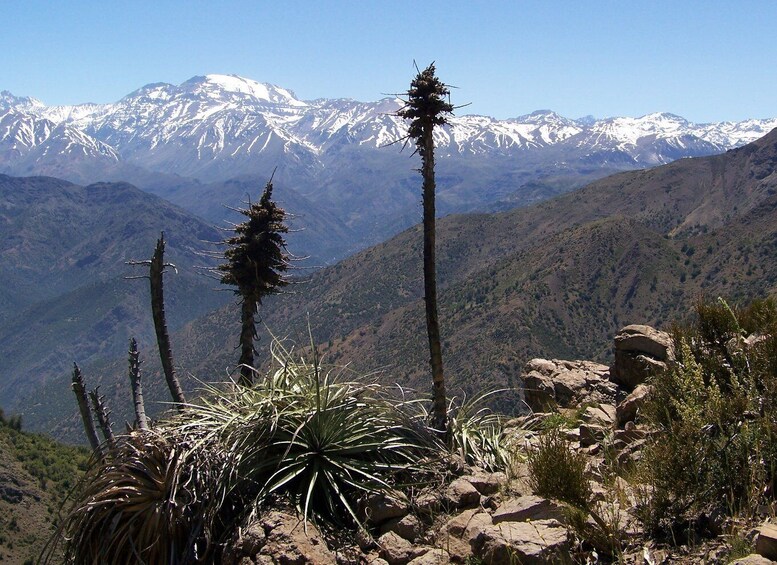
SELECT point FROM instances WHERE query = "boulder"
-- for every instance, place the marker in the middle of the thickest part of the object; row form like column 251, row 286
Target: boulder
column 645, row 340
column 379, row 508
column 629, row 407
column 766, row 541
column 556, row 383
column 486, row 483
column 535, row 542
column 435, row 556
column 639, row 352
column 752, row 559
column 466, row 524
column 397, row 550
column 599, row 414
column 461, row 494
column 525, row 508
column 458, row 534
column 408, row 527
column 280, row 537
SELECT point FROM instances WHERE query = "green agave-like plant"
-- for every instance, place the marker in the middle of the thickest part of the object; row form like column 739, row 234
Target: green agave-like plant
column 475, row 433
column 320, row 440
column 304, row 434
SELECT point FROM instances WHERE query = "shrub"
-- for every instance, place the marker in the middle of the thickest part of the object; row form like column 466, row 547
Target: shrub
column 713, row 411
column 556, row 471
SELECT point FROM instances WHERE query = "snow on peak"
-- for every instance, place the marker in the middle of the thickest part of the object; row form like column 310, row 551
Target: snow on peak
column 8, row 100
column 234, row 84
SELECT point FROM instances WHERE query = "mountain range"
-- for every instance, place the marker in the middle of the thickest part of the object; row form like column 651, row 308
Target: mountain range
column 337, row 158
column 64, row 293
column 556, row 279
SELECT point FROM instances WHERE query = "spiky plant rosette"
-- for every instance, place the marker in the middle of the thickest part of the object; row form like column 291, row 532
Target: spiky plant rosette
column 153, row 499
column 307, row 434
column 330, row 442
column 476, row 433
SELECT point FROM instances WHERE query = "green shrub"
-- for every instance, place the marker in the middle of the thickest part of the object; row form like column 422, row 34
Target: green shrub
column 713, row 411
column 556, row 471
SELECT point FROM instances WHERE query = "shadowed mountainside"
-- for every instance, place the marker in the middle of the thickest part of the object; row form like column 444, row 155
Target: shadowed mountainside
column 63, row 249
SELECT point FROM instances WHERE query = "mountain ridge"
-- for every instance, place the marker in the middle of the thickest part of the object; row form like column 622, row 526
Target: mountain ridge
column 340, row 155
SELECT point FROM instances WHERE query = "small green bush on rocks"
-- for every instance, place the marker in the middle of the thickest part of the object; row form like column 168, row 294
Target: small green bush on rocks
column 714, row 415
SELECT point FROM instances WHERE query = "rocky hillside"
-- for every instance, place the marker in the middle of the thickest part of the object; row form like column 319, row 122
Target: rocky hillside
column 554, row 280
column 36, row 476
column 588, row 420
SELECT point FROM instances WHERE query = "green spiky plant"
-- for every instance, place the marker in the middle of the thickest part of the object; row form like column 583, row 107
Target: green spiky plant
column 322, row 442
column 304, row 434
column 475, row 433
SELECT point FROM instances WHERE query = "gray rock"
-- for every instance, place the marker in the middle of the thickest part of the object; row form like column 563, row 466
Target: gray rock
column 639, row 352
column 600, row 414
column 408, row 527
column 766, row 541
column 435, row 556
column 461, row 494
column 486, row 483
column 538, row 390
column 525, row 508
column 467, row 524
column 279, row 537
column 397, row 550
column 379, row 508
column 564, row 384
column 629, row 407
column 529, row 543
column 645, row 340
column 752, row 559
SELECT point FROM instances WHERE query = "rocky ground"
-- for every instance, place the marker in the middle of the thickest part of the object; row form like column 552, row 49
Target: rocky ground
column 494, row 518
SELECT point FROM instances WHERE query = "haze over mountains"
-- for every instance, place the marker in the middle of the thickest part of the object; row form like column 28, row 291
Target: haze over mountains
column 556, row 279
column 333, row 157
column 63, row 293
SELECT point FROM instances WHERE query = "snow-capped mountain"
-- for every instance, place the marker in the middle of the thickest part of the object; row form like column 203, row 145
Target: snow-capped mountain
column 198, row 127
column 338, row 153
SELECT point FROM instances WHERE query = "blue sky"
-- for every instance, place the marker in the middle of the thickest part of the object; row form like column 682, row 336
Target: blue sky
column 706, row 61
